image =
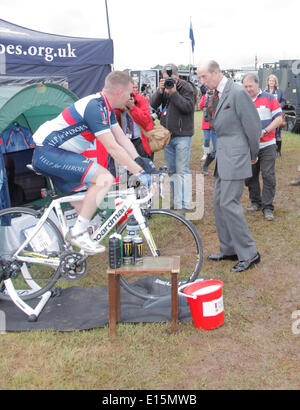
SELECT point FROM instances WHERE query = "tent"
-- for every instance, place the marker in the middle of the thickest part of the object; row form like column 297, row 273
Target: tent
column 33, row 68
column 32, row 105
column 28, row 56
column 29, row 107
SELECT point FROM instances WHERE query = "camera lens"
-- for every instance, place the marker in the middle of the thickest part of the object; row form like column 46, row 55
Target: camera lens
column 169, row 83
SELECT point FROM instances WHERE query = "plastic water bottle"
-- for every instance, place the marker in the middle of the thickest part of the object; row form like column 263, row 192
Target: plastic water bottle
column 132, row 227
column 114, row 252
column 70, row 215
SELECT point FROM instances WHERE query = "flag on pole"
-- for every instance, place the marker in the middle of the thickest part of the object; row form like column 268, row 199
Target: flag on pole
column 192, row 36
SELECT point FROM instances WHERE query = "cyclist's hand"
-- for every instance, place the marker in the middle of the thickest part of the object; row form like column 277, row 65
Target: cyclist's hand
column 140, row 179
column 147, row 165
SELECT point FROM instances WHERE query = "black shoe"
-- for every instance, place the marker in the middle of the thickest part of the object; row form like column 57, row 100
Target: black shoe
column 245, row 265
column 268, row 214
column 216, row 257
column 208, row 160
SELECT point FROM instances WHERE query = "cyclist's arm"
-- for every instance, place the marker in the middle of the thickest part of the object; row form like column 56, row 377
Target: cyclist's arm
column 119, row 153
column 124, row 141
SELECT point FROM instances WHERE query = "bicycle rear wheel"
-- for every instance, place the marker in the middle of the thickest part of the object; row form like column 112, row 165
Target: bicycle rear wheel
column 173, row 235
column 30, row 280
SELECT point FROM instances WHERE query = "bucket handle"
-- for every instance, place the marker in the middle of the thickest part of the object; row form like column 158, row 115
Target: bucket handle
column 185, row 285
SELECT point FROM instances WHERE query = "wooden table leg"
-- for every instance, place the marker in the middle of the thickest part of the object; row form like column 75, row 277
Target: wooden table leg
column 112, row 314
column 174, row 302
column 171, row 265
column 117, row 301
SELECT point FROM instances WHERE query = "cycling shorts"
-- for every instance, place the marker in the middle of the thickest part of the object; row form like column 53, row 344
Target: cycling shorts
column 68, row 170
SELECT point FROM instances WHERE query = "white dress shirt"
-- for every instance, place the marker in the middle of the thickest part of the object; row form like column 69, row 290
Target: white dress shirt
column 221, row 86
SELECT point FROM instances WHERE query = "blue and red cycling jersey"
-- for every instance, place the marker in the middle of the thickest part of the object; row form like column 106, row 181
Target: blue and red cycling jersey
column 78, row 125
column 60, row 142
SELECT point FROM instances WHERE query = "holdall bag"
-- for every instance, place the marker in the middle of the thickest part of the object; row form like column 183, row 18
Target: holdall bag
column 158, row 138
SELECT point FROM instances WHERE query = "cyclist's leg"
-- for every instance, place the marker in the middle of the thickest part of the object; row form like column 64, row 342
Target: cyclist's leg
column 71, row 171
column 100, row 184
column 99, row 181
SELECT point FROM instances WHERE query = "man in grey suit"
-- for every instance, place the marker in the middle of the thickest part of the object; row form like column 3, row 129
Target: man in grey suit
column 238, row 129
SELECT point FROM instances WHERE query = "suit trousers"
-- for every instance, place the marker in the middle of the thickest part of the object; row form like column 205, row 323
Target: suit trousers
column 233, row 232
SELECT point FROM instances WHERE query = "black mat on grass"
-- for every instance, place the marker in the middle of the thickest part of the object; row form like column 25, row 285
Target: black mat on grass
column 81, row 308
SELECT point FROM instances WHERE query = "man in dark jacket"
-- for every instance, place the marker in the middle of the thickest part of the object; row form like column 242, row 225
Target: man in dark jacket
column 177, row 99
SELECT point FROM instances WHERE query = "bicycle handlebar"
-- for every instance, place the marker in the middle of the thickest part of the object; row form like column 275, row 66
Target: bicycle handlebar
column 160, row 181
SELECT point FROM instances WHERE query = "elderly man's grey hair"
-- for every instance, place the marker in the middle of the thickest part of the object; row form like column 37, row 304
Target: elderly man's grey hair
column 252, row 76
column 212, row 66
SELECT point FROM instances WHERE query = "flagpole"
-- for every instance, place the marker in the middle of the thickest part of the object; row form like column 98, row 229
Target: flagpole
column 192, row 41
column 190, row 47
column 107, row 19
column 108, row 28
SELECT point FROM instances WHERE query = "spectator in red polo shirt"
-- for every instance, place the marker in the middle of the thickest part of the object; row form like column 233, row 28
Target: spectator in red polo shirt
column 270, row 114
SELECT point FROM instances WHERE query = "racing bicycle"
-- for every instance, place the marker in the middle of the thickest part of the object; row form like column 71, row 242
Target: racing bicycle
column 34, row 254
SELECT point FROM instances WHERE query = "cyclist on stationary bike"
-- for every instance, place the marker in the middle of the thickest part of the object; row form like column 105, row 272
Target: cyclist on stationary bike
column 60, row 142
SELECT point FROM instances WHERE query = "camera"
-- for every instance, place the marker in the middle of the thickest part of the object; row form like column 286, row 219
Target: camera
column 156, row 114
column 132, row 98
column 170, row 81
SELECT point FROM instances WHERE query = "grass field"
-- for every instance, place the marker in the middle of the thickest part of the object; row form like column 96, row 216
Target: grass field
column 256, row 348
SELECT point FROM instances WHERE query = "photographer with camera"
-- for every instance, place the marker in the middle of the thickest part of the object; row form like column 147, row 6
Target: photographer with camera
column 177, row 99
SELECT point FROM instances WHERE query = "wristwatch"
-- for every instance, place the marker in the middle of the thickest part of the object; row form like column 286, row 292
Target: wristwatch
column 265, row 132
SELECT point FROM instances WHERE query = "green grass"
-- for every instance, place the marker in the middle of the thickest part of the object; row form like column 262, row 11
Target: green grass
column 254, row 349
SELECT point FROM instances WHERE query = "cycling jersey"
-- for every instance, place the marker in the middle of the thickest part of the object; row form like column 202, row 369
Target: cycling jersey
column 16, row 138
column 78, row 125
column 60, row 142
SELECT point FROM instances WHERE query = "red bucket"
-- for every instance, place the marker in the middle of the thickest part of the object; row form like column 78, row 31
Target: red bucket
column 206, row 302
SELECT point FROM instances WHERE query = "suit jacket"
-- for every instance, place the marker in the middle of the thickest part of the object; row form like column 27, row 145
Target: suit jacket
column 238, row 128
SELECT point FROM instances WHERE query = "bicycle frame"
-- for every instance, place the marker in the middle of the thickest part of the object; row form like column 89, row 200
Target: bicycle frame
column 129, row 202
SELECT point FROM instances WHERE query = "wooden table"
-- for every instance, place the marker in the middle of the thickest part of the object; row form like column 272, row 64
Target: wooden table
column 151, row 266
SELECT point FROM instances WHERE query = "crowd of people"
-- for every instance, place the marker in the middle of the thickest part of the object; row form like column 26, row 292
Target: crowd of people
column 244, row 125
column 242, row 121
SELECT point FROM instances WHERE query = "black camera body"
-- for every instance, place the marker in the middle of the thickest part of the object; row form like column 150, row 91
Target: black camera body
column 132, row 97
column 170, row 81
column 156, row 114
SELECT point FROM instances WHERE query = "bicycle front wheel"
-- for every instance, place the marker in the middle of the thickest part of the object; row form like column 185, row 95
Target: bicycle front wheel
column 172, row 235
column 29, row 279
